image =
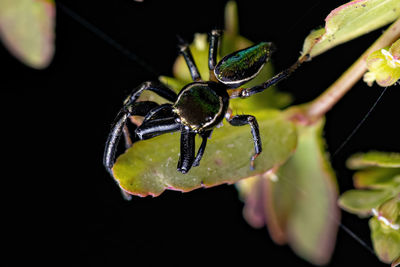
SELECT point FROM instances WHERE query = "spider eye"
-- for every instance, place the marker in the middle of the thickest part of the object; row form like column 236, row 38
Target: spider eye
column 241, row 66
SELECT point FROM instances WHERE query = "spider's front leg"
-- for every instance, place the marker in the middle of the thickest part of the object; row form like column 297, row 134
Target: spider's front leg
column 131, row 107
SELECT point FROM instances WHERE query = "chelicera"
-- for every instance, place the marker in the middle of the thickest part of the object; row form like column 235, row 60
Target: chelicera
column 200, row 106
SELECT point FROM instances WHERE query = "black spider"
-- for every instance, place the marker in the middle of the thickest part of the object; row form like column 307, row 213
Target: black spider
column 200, row 106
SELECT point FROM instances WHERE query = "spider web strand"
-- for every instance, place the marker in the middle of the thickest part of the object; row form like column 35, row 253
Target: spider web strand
column 102, row 35
column 359, row 124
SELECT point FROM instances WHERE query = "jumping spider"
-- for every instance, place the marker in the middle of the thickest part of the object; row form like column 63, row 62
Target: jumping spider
column 200, row 106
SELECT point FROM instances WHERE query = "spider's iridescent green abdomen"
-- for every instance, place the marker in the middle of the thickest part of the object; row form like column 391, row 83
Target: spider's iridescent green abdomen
column 241, row 66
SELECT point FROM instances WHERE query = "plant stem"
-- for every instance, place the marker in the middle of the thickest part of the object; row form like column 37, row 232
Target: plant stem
column 323, row 103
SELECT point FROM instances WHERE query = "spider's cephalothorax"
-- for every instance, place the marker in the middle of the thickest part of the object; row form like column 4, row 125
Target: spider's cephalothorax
column 200, row 106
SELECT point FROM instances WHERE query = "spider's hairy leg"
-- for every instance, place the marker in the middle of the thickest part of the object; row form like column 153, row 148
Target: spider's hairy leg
column 161, row 111
column 186, row 157
column 240, row 120
column 153, row 128
column 187, row 55
column 202, row 147
column 158, row 88
column 132, row 107
column 246, row 92
column 213, row 49
column 119, row 126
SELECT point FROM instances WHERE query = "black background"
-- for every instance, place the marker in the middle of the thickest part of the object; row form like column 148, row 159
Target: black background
column 58, row 199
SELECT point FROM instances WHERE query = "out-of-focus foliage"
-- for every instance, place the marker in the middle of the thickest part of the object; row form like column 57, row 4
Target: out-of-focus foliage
column 378, row 194
column 27, row 29
column 297, row 201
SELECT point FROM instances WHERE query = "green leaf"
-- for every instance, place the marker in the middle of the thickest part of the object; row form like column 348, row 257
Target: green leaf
column 149, row 167
column 298, row 202
column 231, row 18
column 313, row 223
column 350, row 21
column 374, row 158
column 361, row 202
column 377, row 178
column 386, row 241
column 27, row 30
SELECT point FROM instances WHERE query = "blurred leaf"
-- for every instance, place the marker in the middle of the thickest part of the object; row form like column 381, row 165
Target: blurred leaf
column 173, row 83
column 313, row 223
column 380, row 173
column 396, row 262
column 377, row 178
column 27, row 30
column 231, row 18
column 300, row 206
column 390, row 211
column 350, row 21
column 361, row 202
column 149, row 167
column 374, row 158
column 386, row 241
column 253, row 192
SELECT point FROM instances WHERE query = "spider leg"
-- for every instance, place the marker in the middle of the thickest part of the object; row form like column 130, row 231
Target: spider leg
column 186, row 158
column 213, row 49
column 164, row 110
column 157, row 88
column 138, row 108
column 240, row 120
column 131, row 107
column 142, row 108
column 153, row 128
column 202, row 148
column 246, row 92
column 187, row 55
column 159, row 111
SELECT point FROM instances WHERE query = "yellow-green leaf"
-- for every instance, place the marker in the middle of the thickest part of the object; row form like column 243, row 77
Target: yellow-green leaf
column 350, row 21
column 362, row 202
column 386, row 241
column 389, row 212
column 149, row 167
column 313, row 224
column 27, row 30
column 377, row 178
column 374, row 158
